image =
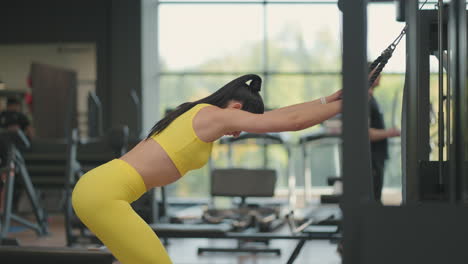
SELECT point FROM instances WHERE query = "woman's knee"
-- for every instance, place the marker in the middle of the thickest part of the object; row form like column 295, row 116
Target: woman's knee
column 82, row 204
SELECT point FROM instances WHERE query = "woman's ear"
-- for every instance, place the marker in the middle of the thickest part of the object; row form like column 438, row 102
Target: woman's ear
column 234, row 104
column 237, row 105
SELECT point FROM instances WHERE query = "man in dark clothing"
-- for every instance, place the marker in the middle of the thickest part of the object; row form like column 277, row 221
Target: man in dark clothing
column 379, row 141
column 378, row 136
column 13, row 119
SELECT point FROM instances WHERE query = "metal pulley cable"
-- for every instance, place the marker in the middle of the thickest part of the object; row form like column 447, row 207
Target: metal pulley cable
column 378, row 65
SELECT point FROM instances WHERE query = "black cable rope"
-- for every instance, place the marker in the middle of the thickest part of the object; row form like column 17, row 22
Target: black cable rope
column 378, row 65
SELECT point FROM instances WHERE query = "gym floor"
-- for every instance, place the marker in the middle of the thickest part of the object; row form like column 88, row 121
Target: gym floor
column 184, row 251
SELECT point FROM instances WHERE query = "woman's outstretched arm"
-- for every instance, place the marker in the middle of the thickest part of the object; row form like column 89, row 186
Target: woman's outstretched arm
column 328, row 99
column 291, row 118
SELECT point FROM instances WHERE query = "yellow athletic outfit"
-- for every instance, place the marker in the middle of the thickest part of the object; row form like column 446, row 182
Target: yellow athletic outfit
column 102, row 197
column 186, row 150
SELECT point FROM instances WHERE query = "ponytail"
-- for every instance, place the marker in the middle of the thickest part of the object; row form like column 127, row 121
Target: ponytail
column 237, row 89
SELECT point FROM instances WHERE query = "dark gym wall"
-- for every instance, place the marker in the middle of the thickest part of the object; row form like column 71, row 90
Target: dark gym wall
column 125, row 60
column 115, row 27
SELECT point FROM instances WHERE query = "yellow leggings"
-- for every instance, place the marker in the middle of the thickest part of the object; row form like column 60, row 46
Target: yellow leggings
column 101, row 200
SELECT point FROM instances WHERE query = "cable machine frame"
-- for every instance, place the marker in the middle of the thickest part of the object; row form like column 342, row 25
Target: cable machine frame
column 416, row 232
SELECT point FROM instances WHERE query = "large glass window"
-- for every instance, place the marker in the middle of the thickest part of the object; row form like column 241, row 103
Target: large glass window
column 179, row 88
column 295, row 46
column 210, row 37
column 303, row 38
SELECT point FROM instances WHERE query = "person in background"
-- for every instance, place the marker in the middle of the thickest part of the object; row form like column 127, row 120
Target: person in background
column 13, row 119
column 378, row 135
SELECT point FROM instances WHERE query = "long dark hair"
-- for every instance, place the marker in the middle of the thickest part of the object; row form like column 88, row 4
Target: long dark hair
column 238, row 89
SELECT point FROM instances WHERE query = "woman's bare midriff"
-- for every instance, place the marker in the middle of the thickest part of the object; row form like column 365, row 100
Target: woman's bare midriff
column 153, row 164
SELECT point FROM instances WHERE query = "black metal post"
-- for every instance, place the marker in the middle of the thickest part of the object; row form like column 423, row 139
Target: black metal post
column 457, row 39
column 7, row 215
column 410, row 125
column 42, row 226
column 356, row 146
column 441, row 126
column 70, row 180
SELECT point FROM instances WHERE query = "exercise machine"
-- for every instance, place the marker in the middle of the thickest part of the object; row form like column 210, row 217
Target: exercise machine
column 430, row 225
column 13, row 168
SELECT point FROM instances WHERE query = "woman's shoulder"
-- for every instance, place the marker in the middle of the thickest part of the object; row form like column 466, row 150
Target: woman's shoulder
column 203, row 105
column 208, row 108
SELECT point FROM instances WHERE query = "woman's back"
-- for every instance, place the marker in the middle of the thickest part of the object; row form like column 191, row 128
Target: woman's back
column 167, row 156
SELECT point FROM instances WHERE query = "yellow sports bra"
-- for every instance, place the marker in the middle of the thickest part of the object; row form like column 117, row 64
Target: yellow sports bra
column 182, row 145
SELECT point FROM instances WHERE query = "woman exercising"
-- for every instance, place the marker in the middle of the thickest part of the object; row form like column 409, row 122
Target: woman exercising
column 178, row 143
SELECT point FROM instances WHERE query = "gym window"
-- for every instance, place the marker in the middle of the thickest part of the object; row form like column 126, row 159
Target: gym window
column 295, row 46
